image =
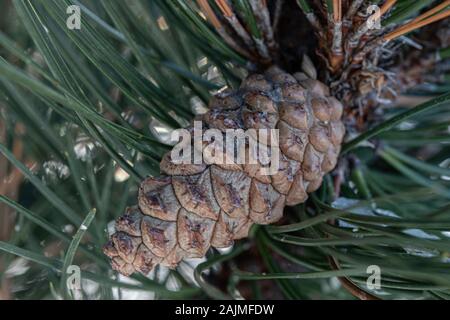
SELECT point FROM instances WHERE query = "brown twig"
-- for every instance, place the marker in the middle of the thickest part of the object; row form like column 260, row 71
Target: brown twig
column 10, row 181
column 9, row 184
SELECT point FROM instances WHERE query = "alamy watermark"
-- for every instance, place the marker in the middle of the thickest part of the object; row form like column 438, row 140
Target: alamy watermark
column 374, row 19
column 73, row 282
column 233, row 146
column 373, row 282
column 73, row 21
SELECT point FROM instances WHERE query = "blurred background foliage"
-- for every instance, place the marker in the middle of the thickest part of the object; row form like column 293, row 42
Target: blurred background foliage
column 86, row 114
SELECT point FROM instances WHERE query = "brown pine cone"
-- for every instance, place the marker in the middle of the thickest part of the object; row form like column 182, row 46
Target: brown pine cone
column 192, row 207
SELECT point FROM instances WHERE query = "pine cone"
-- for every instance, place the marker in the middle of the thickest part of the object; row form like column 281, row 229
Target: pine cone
column 192, row 207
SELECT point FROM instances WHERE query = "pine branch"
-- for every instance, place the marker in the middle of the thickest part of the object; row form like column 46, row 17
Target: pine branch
column 143, row 64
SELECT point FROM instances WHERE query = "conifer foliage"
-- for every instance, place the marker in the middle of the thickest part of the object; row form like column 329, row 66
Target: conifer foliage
column 86, row 115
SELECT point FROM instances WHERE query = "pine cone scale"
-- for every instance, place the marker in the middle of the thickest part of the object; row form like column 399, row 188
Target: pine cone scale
column 193, row 207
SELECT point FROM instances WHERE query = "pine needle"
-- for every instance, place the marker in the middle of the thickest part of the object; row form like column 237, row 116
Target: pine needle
column 211, row 16
column 225, row 8
column 427, row 14
column 234, row 22
column 304, row 5
column 427, row 18
column 209, row 13
column 262, row 17
column 387, row 6
column 337, row 10
column 431, row 12
column 310, row 15
column 356, row 4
